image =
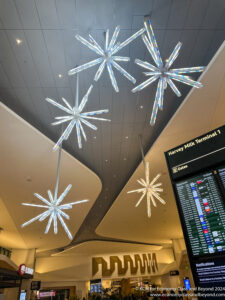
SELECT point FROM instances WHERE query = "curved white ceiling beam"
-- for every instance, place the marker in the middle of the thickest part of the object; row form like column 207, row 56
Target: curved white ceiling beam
column 102, row 248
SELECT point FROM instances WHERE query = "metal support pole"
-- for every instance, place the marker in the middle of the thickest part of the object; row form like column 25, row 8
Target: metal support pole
column 142, row 151
column 77, row 92
column 18, row 298
column 35, row 258
column 57, row 176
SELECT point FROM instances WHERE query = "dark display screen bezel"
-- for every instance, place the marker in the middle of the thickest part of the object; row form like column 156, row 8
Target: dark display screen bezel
column 203, row 168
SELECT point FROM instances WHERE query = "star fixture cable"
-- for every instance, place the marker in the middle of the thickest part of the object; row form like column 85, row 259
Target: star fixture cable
column 162, row 71
column 149, row 189
column 76, row 117
column 108, row 58
column 54, row 208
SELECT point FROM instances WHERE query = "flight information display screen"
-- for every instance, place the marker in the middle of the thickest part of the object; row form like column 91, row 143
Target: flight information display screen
column 204, row 211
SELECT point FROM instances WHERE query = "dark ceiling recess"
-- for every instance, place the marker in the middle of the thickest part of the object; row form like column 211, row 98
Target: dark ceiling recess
column 37, row 68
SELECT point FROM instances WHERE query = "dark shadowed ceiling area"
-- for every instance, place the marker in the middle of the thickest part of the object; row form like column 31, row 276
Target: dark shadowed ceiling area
column 29, row 72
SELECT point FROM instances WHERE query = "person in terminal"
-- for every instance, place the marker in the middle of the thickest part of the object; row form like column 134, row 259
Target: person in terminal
column 180, row 296
column 164, row 295
column 172, row 295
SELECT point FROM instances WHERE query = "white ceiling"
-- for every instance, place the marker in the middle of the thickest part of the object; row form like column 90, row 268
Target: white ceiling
column 29, row 73
column 100, row 248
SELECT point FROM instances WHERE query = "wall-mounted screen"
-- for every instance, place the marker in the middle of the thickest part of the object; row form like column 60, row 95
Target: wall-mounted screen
column 187, row 283
column 96, row 286
column 197, row 172
column 203, row 208
column 23, row 295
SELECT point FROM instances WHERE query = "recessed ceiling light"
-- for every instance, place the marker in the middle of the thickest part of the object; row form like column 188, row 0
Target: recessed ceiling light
column 60, row 75
column 106, row 160
column 125, row 158
column 126, row 137
column 94, row 137
column 18, row 41
column 141, row 106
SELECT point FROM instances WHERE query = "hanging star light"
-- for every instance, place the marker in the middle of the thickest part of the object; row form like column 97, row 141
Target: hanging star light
column 162, row 71
column 54, row 207
column 108, row 57
column 150, row 189
column 76, row 117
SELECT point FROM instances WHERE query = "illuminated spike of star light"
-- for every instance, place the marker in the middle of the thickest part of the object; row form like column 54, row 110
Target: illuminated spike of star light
column 149, row 189
column 54, row 209
column 162, row 72
column 76, row 117
column 108, row 58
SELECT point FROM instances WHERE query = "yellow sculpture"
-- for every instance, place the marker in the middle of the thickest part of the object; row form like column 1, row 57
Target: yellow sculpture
column 147, row 263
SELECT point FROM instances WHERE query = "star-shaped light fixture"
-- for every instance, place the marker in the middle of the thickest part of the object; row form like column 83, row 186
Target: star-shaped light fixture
column 149, row 189
column 54, row 209
column 76, row 117
column 108, row 58
column 162, row 71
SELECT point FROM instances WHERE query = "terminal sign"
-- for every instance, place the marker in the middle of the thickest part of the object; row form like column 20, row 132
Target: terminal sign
column 46, row 294
column 197, row 154
column 174, row 273
column 23, row 269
